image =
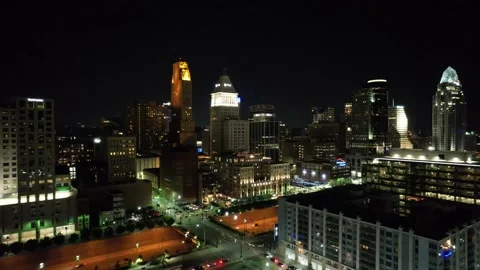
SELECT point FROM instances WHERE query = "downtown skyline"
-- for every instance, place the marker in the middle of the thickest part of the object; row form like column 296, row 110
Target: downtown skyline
column 129, row 56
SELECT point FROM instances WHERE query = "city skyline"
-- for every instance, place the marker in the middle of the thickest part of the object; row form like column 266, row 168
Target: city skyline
column 114, row 57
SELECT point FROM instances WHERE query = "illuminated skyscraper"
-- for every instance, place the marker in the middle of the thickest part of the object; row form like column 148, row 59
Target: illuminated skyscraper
column 182, row 129
column 398, row 128
column 370, row 118
column 34, row 201
column 225, row 105
column 449, row 114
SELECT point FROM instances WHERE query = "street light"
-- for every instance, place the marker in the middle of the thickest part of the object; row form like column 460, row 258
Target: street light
column 41, row 266
column 77, row 259
column 243, row 237
column 197, row 230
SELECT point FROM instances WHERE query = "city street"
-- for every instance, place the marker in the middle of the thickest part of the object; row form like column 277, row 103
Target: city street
column 104, row 252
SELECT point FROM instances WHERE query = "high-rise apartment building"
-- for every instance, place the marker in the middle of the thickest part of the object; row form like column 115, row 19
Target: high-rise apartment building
column 32, row 205
column 449, row 114
column 264, row 131
column 370, row 118
column 320, row 114
column 356, row 228
column 182, row 128
column 225, row 105
column 398, row 128
column 145, row 121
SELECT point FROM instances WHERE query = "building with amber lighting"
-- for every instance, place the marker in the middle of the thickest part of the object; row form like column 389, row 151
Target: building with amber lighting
column 248, row 175
column 182, row 127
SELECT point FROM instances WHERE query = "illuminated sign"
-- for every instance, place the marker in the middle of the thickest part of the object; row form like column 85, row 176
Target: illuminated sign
column 35, row 100
column 341, row 162
column 227, row 85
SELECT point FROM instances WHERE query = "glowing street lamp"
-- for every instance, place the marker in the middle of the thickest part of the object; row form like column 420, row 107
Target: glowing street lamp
column 42, row 265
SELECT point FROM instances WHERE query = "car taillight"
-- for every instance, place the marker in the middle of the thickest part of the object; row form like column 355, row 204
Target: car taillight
column 276, row 260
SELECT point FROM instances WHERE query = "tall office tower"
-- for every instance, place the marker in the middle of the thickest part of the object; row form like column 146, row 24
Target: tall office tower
column 398, row 128
column 167, row 119
column 449, row 114
column 264, row 131
column 225, row 105
column 347, row 119
column 320, row 114
column 32, row 203
column 370, row 119
column 144, row 120
column 182, row 128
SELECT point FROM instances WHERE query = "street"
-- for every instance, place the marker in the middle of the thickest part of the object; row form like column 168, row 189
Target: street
column 103, row 252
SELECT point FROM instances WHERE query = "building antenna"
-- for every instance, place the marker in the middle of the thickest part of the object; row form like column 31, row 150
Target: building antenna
column 393, row 102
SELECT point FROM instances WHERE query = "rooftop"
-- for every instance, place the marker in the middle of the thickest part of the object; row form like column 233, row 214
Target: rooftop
column 429, row 218
column 224, row 85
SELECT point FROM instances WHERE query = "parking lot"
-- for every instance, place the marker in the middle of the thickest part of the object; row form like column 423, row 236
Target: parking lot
column 251, row 222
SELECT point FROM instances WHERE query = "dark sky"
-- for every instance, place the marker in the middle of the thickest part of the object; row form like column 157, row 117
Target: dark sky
column 94, row 59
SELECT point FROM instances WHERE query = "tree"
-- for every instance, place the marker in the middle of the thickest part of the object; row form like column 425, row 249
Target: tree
column 169, row 221
column 97, row 233
column 46, row 242
column 16, row 247
column 140, row 225
column 131, row 227
column 108, row 232
column 150, row 224
column 85, row 234
column 120, row 229
column 59, row 239
column 30, row 245
column 73, row 238
column 3, row 249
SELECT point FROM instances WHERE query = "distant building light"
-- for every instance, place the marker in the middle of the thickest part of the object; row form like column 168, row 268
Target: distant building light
column 431, row 148
column 376, row 80
column 97, row 140
column 35, row 99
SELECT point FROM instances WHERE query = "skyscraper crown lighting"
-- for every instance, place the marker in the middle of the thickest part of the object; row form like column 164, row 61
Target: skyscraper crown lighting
column 450, row 76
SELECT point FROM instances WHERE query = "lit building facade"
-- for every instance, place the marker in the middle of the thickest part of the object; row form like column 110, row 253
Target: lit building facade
column 335, row 229
column 235, row 135
column 182, row 127
column 324, row 171
column 120, row 155
column 264, row 131
column 370, row 118
column 246, row 175
column 225, row 105
column 320, row 114
column 449, row 114
column 398, row 128
column 412, row 173
column 145, row 121
column 32, row 205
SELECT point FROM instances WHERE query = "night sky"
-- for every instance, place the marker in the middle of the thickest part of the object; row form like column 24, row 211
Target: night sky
column 95, row 59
